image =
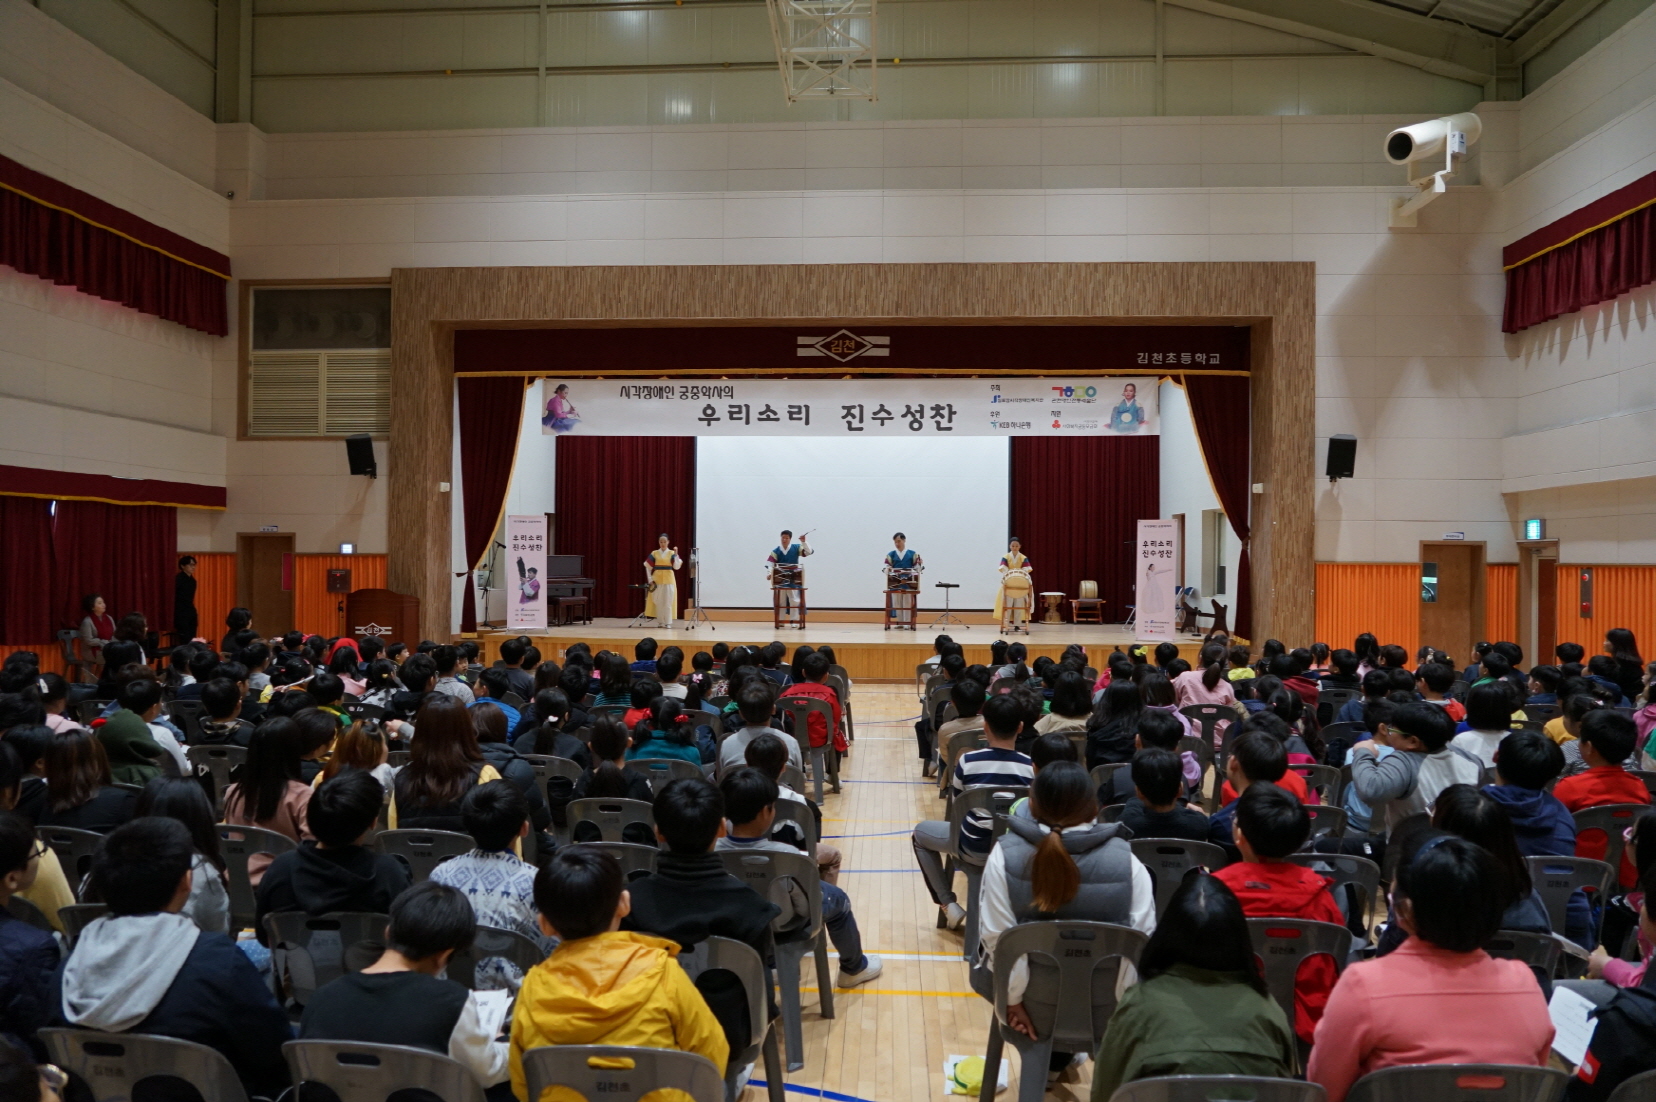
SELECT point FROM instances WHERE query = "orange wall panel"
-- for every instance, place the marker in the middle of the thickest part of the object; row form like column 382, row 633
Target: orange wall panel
column 1623, row 597
column 315, row 610
column 215, row 593
column 51, row 655
column 1383, row 598
column 1500, row 602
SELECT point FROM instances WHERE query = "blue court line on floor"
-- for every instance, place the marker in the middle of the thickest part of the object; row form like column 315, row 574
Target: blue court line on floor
column 813, row 1092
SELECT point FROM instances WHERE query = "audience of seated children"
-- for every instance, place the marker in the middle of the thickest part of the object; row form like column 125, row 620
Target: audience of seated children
column 489, row 725
column 270, row 791
column 1489, row 709
column 145, row 968
column 767, row 754
column 129, row 739
column 1270, row 824
column 967, row 694
column 1376, row 684
column 1433, row 681
column 608, row 778
column 604, row 985
column 518, row 680
column 335, row 871
column 499, row 885
column 755, row 702
column 750, row 811
column 28, row 956
column 1544, row 682
column 1476, row 816
column 1156, row 809
column 447, row 659
column 318, row 728
column 1607, row 739
column 491, row 686
column 1201, row 1006
column 666, row 732
column 80, row 792
column 997, row 764
column 222, row 724
column 815, row 687
column 1255, row 756
column 1407, row 782
column 1293, row 748
column 445, row 762
column 402, row 999
column 1623, row 1043
column 1449, row 897
column 177, row 798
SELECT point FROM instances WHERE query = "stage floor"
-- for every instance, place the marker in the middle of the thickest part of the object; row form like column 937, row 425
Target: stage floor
column 865, row 650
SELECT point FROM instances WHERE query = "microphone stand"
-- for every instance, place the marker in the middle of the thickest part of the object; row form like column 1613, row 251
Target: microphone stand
column 696, row 613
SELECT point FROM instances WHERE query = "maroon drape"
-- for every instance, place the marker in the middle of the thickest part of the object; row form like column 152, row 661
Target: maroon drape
column 128, row 553
column 1592, row 268
column 57, row 232
column 1076, row 504
column 1219, row 407
column 615, row 495
column 25, row 571
column 491, row 412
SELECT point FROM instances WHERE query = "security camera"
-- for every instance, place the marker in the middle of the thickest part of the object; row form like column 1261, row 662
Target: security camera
column 1448, row 137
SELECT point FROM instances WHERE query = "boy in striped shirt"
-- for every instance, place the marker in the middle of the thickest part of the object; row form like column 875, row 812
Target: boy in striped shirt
column 998, row 764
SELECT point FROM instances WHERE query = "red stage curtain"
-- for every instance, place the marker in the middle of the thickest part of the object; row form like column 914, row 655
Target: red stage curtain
column 25, row 571
column 57, row 232
column 1219, row 407
column 1076, row 504
column 615, row 495
column 128, row 553
column 1594, row 253
column 491, row 412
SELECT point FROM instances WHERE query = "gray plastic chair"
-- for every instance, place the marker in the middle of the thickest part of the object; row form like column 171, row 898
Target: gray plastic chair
column 824, row 762
column 1168, row 859
column 1111, row 813
column 1640, row 1088
column 74, row 848
column 794, row 778
column 949, row 754
column 760, row 870
column 556, row 778
column 187, row 715
column 1326, row 818
column 635, row 860
column 372, row 1073
column 661, row 771
column 215, row 761
column 1324, row 780
column 652, row 1068
column 112, row 1064
column 792, row 811
column 1082, row 1000
column 1105, row 774
column 236, row 845
column 310, row 952
column 78, row 916
column 489, row 943
column 1346, row 869
column 1460, row 1083
column 839, row 680
column 1209, row 717
column 1612, row 819
column 1218, row 1088
column 1283, row 944
column 996, row 801
column 1539, row 951
column 611, row 817
column 721, row 954
column 423, row 850
column 1557, row 877
column 1543, row 712
column 1648, row 778
column 369, row 713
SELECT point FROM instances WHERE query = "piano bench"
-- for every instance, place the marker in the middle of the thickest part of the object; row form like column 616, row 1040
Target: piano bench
column 569, row 610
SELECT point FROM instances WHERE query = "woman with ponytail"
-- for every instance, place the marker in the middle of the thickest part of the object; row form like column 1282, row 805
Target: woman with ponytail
column 1060, row 863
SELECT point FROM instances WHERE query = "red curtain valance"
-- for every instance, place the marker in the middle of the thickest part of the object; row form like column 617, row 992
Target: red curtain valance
column 1602, row 250
column 51, row 230
column 72, row 486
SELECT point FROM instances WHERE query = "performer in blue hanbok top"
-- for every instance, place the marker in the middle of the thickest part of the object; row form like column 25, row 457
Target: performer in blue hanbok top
column 1128, row 415
column 787, row 555
column 902, row 569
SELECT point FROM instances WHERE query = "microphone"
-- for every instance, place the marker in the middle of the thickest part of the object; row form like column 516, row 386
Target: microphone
column 948, row 585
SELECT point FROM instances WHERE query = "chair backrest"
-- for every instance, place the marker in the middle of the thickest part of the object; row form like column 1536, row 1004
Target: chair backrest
column 1324, row 780
column 1201, row 747
column 396, row 759
column 1543, row 712
column 794, row 777
column 1648, row 777
column 74, row 849
column 760, row 869
column 1457, row 690
column 801, row 707
column 373, row 1073
column 1460, row 1083
column 975, row 738
column 356, row 709
column 515, row 700
column 635, row 860
column 216, row 761
column 1335, row 695
column 1539, row 951
column 1283, row 944
column 310, row 952
column 1612, row 819
column 1168, row 859
column 742, row 961
column 1345, row 869
column 616, row 711
column 1218, row 1088
column 236, row 845
column 1001, row 685
column 88, row 710
column 1105, row 774
column 78, row 916
column 1326, row 818
column 611, row 817
column 620, row 1074
column 974, row 803
column 423, row 850
column 1076, row 950
column 792, row 811
column 1640, row 1088
column 1352, row 732
column 491, row 941
column 1557, row 877
column 30, row 915
column 937, row 694
column 661, row 771
column 923, row 673
column 1209, row 716
column 113, row 1064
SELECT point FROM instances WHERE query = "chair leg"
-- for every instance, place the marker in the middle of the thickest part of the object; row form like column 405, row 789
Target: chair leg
column 817, row 768
column 793, row 1030
column 974, row 888
column 1032, row 1070
column 832, row 758
column 825, row 977
column 775, row 1085
column 991, row 1061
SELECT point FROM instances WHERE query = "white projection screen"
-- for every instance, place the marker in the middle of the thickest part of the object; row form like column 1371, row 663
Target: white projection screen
column 949, row 496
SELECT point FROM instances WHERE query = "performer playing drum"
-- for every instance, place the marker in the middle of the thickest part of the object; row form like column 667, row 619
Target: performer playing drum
column 661, row 599
column 902, row 570
column 785, row 572
column 1017, row 590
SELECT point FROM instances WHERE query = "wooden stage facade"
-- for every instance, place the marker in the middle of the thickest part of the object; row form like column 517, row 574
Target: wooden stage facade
column 867, row 651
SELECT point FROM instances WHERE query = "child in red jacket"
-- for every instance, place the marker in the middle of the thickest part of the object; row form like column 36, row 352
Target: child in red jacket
column 1271, row 824
column 1607, row 740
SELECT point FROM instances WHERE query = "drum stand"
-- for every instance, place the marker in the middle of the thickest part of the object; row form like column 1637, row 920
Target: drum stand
column 642, row 618
column 696, row 613
column 947, row 617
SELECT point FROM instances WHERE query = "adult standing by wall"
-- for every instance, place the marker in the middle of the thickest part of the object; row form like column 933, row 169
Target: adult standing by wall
column 185, row 620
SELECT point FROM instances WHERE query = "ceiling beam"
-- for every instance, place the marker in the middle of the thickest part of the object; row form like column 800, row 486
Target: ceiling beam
column 1434, row 45
column 1551, row 28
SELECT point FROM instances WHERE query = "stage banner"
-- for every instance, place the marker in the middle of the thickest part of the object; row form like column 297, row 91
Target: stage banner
column 526, row 548
column 1093, row 406
column 1156, row 595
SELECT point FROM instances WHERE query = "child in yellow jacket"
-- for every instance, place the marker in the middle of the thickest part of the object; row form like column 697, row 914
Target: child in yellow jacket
column 603, row 986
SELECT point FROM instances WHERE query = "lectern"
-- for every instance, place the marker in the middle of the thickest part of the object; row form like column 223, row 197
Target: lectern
column 383, row 614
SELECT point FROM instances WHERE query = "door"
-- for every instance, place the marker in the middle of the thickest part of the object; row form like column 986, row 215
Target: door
column 1538, row 599
column 1452, row 597
column 264, row 580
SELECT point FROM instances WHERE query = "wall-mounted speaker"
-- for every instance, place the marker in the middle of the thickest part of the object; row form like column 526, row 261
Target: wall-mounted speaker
column 359, row 449
column 1342, row 456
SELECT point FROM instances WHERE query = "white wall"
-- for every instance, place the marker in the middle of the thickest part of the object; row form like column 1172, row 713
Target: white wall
column 1186, row 488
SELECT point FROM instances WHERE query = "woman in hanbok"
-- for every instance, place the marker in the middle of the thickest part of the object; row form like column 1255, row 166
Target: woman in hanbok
column 1014, row 599
column 661, row 602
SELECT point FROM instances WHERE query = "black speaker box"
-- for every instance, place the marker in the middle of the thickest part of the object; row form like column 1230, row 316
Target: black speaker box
column 1342, row 456
column 359, row 449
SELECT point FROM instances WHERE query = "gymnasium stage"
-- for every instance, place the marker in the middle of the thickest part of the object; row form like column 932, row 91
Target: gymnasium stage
column 865, row 649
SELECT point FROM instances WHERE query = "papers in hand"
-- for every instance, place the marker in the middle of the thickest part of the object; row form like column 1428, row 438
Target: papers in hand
column 1573, row 1023
column 492, row 1007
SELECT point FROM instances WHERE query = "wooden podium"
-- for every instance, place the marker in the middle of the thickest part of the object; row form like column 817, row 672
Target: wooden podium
column 383, row 614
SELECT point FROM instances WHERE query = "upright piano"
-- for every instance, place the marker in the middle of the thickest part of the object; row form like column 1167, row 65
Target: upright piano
column 565, row 577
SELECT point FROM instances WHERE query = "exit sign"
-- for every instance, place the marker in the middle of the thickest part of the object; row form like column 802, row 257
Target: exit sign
column 1535, row 529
